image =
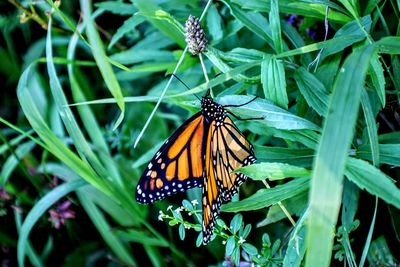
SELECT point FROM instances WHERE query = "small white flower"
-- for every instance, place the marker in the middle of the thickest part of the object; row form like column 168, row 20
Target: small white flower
column 179, row 209
column 169, row 207
column 194, row 202
column 161, row 215
column 241, row 240
column 223, row 242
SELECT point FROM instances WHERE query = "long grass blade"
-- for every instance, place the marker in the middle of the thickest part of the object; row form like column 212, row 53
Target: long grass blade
column 332, row 153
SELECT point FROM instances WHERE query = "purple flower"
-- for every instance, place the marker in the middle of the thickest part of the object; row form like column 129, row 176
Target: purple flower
column 54, row 182
column 4, row 195
column 311, row 33
column 291, row 19
column 61, row 213
column 32, row 170
column 229, row 263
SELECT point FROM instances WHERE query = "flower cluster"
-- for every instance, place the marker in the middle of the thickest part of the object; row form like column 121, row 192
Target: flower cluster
column 238, row 251
column 195, row 37
column 61, row 213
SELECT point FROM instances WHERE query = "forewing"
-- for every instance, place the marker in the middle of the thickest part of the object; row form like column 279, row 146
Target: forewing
column 177, row 166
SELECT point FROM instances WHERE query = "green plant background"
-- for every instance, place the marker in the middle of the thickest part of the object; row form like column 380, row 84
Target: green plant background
column 81, row 81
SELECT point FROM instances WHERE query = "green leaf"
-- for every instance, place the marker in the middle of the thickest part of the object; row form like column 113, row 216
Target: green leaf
column 164, row 16
column 199, row 239
column 148, row 7
column 215, row 56
column 269, row 114
column 134, row 56
column 39, row 209
column 294, row 156
column 267, row 197
column 388, row 45
column 117, row 7
column 254, row 21
column 235, row 257
column 273, row 81
column 214, row 24
column 230, row 246
column 236, row 223
column 128, row 26
column 313, row 9
column 388, row 153
column 332, row 153
column 353, row 34
column 250, row 249
column 272, row 171
column 313, row 91
column 182, row 232
column 295, row 205
column 367, row 177
column 246, row 231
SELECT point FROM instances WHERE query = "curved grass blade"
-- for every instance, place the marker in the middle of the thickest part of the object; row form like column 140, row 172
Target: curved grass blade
column 50, row 141
column 39, row 209
column 86, row 114
column 30, row 252
column 105, row 229
column 102, row 60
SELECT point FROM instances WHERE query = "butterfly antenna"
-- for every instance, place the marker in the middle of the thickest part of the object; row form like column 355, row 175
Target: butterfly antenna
column 187, row 87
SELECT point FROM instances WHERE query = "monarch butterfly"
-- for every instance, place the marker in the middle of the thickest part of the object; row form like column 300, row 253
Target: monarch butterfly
column 201, row 153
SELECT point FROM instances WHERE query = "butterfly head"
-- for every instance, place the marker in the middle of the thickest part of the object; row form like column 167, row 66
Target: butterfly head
column 212, row 110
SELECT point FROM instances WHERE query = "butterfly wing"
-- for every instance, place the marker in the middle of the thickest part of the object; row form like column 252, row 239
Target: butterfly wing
column 230, row 151
column 227, row 149
column 177, row 166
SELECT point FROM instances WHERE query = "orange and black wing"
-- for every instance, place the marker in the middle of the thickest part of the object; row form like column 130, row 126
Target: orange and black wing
column 178, row 165
column 226, row 150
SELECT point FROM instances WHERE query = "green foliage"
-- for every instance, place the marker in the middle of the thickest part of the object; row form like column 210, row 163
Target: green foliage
column 79, row 124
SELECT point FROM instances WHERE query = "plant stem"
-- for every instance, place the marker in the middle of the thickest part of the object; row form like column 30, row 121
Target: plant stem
column 33, row 15
column 281, row 206
column 203, row 66
column 168, row 84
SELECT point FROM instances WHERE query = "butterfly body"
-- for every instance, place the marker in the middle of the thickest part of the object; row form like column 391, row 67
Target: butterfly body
column 201, row 153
